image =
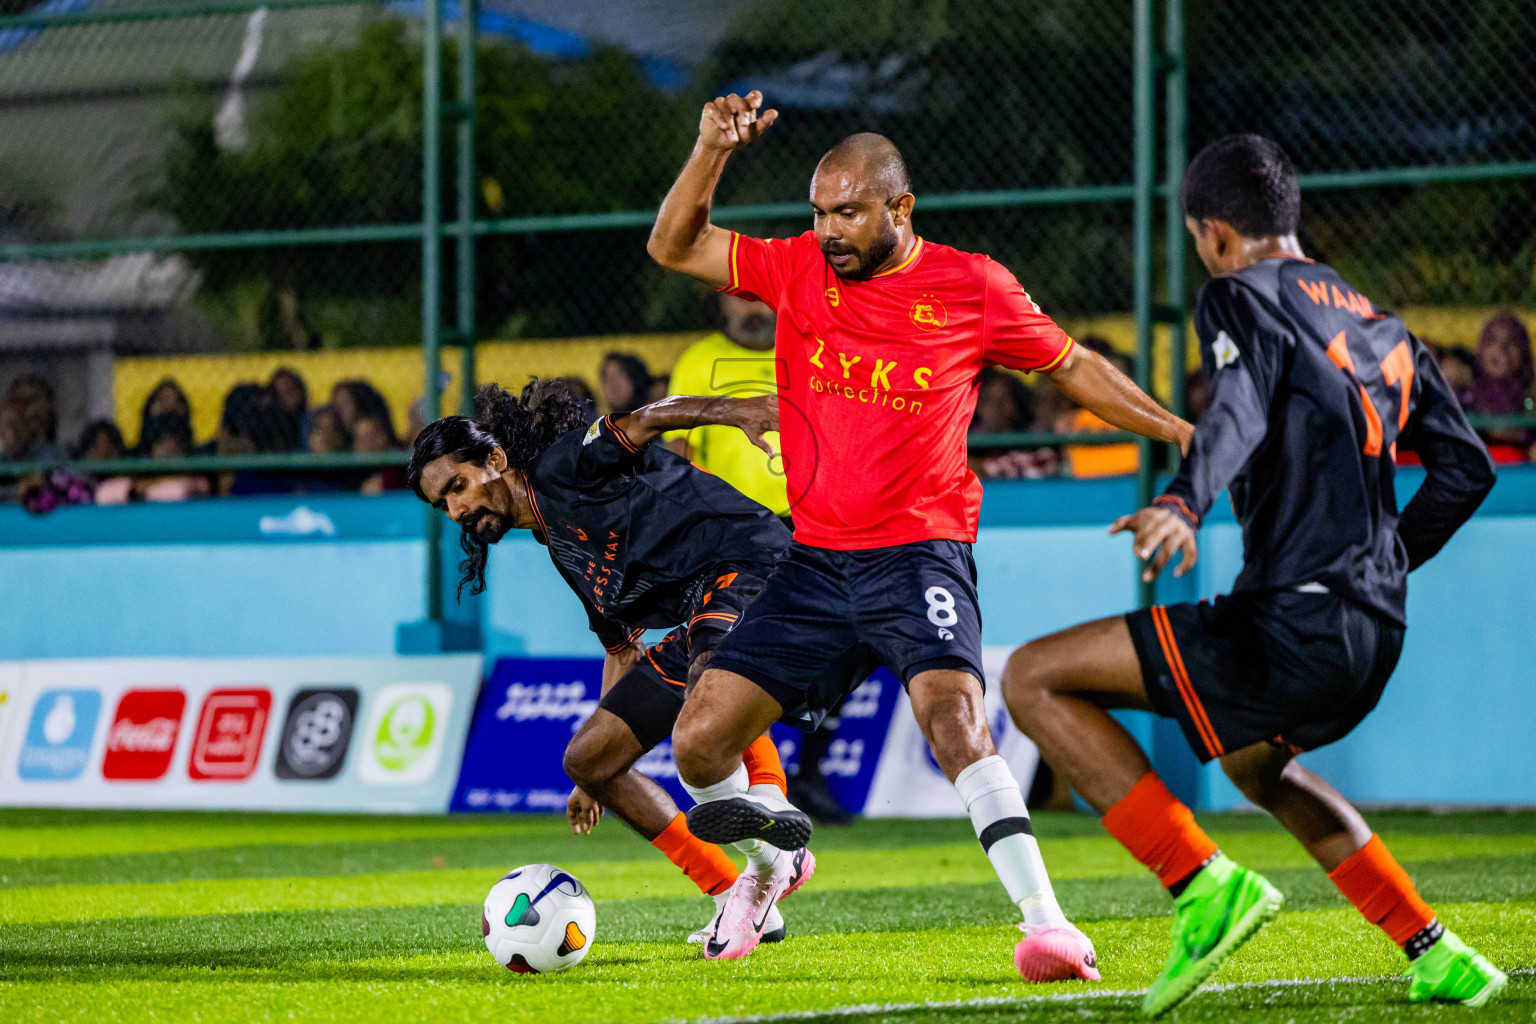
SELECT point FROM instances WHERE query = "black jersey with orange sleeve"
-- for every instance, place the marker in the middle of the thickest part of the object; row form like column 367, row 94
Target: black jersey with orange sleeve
column 639, row 532
column 1312, row 391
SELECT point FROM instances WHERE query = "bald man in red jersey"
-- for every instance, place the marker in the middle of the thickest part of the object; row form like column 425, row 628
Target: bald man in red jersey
column 881, row 337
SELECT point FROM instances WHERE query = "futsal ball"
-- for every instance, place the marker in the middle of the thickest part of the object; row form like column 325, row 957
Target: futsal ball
column 538, row 919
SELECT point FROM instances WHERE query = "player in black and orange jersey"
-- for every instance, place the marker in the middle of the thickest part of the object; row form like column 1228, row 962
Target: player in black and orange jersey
column 881, row 338
column 645, row 540
column 1312, row 390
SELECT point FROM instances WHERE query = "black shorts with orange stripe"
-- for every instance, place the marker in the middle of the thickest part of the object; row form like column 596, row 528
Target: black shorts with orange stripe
column 649, row 697
column 1295, row 668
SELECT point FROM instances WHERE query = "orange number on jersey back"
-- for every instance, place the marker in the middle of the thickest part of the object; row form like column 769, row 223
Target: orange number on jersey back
column 1397, row 369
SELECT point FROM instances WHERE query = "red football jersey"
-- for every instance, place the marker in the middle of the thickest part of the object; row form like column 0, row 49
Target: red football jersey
column 878, row 383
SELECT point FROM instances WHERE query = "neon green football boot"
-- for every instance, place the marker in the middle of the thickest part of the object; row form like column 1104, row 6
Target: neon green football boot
column 1224, row 906
column 1454, row 972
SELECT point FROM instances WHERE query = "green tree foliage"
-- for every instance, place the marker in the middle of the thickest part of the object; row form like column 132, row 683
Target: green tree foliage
column 340, row 144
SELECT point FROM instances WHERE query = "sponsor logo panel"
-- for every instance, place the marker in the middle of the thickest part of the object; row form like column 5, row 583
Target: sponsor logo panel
column 142, row 739
column 317, row 733
column 407, row 728
column 59, row 735
column 227, row 744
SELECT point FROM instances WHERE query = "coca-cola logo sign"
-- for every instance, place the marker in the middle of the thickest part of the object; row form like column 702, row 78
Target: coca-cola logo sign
column 142, row 739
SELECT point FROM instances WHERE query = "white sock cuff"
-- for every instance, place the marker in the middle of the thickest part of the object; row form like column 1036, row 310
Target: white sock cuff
column 989, row 775
column 734, row 784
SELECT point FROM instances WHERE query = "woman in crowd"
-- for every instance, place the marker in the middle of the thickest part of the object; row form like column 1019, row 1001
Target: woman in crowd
column 1505, row 373
column 625, row 381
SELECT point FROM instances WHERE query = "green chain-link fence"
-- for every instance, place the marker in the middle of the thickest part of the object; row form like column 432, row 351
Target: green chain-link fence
column 245, row 177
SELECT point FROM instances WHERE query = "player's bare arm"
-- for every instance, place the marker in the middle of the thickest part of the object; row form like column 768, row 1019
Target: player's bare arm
column 1092, row 382
column 1157, row 534
column 683, row 239
column 755, row 416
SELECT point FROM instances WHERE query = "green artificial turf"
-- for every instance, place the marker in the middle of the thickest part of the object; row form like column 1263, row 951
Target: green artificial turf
column 124, row 916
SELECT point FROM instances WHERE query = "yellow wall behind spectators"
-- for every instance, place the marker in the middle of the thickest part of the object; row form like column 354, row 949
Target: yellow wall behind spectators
column 397, row 372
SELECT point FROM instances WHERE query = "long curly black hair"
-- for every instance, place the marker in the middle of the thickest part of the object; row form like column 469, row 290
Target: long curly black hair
column 523, row 427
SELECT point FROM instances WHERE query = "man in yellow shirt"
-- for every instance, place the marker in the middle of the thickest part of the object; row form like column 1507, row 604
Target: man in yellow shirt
column 736, row 362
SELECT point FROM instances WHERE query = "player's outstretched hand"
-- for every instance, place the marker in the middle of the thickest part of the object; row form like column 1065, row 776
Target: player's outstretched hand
column 582, row 812
column 1157, row 533
column 730, row 122
column 756, row 417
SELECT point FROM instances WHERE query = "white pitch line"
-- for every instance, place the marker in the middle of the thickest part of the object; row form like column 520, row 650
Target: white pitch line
column 865, row 1009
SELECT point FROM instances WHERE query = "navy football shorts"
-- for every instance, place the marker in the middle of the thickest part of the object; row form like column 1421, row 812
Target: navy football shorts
column 827, row 619
column 1297, row 669
column 649, row 697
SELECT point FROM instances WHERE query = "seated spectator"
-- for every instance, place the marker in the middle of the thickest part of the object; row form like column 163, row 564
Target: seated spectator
column 326, row 434
column 659, row 385
column 375, row 434
column 166, row 397
column 1459, row 368
column 254, row 422
column 1505, row 373
column 580, row 388
column 29, row 422
column 168, row 436
column 354, row 399
column 1006, row 405
column 100, row 441
column 291, row 391
column 625, row 381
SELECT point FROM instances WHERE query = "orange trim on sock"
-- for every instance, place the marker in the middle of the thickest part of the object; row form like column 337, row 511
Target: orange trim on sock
column 705, row 864
column 1380, row 889
column 1159, row 831
column 763, row 764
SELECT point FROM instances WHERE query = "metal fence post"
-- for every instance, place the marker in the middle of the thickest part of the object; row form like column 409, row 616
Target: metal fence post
column 1175, row 146
column 431, row 268
column 1141, row 245
column 465, row 227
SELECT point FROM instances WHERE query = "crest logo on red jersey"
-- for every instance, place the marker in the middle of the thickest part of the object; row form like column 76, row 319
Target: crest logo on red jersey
column 929, row 313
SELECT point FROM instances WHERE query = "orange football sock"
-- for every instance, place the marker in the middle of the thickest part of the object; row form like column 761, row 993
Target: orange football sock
column 1381, row 890
column 1159, row 831
column 763, row 764
column 704, row 863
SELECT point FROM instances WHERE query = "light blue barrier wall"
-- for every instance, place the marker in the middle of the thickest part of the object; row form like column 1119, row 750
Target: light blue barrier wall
column 256, row 577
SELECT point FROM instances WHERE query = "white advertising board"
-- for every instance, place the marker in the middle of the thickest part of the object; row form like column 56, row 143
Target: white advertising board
column 908, row 782
column 301, row 734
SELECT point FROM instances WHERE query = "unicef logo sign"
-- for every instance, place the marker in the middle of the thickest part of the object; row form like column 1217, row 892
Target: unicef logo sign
column 405, row 733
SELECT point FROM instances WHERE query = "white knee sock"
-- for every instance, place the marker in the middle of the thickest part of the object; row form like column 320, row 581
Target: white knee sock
column 758, row 852
column 997, row 811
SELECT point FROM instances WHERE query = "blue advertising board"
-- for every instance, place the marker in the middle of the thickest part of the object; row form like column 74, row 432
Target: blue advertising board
column 530, row 708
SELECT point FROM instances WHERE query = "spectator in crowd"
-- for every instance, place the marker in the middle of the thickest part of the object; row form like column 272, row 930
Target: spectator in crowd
column 374, row 434
column 100, row 441
column 1091, row 460
column 354, row 399
column 580, row 388
column 1459, row 368
column 29, row 422
column 253, row 422
column 625, row 381
column 168, row 436
column 1505, row 373
column 327, row 436
column 291, row 391
column 165, row 397
column 1006, row 405
column 660, row 385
